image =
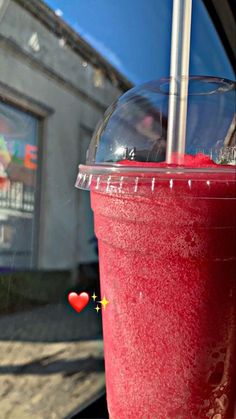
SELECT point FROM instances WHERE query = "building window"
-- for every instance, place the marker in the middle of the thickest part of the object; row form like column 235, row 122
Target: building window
column 18, row 175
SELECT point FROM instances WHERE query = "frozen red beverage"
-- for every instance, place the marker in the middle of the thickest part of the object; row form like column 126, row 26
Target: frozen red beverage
column 168, row 268
column 166, row 230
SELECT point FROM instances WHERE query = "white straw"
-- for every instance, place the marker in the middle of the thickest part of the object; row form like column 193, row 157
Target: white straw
column 179, row 72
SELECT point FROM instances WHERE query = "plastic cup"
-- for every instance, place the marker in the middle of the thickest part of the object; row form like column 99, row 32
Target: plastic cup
column 167, row 240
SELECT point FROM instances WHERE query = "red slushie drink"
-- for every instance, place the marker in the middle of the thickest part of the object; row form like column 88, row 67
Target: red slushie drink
column 167, row 254
column 168, row 267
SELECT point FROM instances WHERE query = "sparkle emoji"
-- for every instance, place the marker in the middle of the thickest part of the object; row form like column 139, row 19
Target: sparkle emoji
column 104, row 302
column 94, row 296
column 97, row 309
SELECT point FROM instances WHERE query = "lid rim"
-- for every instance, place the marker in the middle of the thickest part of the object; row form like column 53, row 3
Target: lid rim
column 223, row 82
column 120, row 168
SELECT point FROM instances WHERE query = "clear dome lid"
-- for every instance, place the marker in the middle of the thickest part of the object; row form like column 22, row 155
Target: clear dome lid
column 132, row 136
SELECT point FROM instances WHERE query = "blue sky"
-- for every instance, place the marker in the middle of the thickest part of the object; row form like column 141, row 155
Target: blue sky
column 134, row 35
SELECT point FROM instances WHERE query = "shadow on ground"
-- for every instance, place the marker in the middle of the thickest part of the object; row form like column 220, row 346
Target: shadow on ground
column 46, row 365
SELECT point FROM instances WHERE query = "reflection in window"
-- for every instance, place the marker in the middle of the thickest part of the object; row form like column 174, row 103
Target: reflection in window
column 18, row 170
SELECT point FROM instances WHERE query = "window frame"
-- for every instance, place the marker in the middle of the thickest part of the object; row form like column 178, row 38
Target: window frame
column 26, row 104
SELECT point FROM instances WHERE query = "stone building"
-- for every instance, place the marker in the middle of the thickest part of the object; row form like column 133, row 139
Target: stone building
column 54, row 88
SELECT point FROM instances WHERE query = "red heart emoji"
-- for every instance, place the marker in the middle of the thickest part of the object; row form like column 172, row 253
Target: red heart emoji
column 78, row 302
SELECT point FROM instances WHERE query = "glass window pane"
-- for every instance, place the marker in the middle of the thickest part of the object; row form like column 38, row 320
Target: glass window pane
column 18, row 167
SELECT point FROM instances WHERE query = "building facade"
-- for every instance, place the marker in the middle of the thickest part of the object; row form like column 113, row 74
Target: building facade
column 54, row 88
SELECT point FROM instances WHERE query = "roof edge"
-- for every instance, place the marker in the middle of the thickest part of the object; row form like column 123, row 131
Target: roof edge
column 60, row 28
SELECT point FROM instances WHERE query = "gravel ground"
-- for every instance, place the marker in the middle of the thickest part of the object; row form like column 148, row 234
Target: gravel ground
column 51, row 361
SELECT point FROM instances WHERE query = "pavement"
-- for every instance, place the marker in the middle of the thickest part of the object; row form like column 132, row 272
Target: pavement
column 51, row 361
